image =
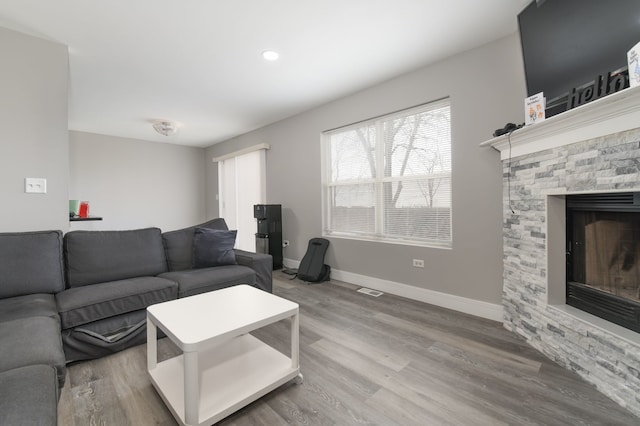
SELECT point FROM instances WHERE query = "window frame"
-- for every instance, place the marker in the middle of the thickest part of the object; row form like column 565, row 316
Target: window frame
column 379, row 179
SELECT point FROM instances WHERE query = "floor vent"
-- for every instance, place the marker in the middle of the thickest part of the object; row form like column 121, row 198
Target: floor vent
column 374, row 293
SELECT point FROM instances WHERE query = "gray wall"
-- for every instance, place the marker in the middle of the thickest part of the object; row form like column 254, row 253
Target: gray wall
column 34, row 141
column 211, row 185
column 133, row 183
column 486, row 87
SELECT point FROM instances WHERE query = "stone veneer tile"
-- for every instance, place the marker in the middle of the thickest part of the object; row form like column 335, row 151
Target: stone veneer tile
column 606, row 163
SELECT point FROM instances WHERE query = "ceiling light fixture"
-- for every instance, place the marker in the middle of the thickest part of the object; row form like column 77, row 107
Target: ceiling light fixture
column 270, row 55
column 165, row 127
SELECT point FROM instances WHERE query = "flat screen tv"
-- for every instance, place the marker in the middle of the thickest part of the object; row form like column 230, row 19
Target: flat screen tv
column 568, row 44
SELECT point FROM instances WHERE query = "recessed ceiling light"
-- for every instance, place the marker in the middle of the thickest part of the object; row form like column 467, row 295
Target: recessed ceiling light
column 270, row 55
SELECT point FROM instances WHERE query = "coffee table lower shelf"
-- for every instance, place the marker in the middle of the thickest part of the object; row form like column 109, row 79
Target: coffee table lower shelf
column 232, row 375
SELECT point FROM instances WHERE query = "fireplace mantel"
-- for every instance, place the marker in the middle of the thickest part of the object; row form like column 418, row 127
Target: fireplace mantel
column 617, row 112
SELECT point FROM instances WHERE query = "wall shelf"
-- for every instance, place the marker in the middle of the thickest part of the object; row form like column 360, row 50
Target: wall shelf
column 84, row 219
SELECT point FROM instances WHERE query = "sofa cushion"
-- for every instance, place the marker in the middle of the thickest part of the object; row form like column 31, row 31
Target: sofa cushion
column 82, row 305
column 31, row 263
column 197, row 281
column 179, row 244
column 31, row 305
column 213, row 247
column 102, row 256
column 34, row 340
column 29, row 396
column 104, row 337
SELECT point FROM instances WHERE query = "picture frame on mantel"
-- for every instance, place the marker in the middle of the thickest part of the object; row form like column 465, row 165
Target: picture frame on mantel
column 614, row 113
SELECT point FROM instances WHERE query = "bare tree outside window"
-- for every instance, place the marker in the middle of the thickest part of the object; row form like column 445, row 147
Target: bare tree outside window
column 390, row 178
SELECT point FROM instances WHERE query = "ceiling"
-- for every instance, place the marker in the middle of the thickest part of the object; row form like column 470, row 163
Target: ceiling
column 198, row 62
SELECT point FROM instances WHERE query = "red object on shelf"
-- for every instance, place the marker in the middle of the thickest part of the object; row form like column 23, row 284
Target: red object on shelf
column 84, row 209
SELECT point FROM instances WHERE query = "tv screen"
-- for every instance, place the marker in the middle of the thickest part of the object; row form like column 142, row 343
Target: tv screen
column 570, row 43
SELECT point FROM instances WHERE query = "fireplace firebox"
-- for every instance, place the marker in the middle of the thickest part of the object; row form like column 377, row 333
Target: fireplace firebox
column 603, row 256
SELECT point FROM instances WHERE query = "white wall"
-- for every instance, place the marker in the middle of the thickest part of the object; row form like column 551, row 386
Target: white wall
column 486, row 87
column 134, row 184
column 34, row 141
column 131, row 183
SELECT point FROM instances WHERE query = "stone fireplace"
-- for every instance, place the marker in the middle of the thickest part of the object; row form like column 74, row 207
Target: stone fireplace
column 593, row 149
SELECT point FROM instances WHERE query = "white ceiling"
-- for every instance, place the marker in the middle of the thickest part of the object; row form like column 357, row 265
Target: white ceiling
column 198, row 62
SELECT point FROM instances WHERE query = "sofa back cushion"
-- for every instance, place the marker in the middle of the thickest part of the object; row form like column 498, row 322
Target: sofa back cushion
column 100, row 256
column 213, row 247
column 179, row 244
column 31, row 262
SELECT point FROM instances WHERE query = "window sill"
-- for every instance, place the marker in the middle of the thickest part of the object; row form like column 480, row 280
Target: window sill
column 428, row 244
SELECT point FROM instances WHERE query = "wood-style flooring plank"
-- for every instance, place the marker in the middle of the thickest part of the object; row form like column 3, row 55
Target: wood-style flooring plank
column 65, row 405
column 366, row 361
column 257, row 414
column 392, row 357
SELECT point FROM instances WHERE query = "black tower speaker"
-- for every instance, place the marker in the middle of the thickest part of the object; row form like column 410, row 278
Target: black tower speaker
column 269, row 233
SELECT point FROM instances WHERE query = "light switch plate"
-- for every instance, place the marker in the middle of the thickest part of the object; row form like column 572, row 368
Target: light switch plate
column 35, row 185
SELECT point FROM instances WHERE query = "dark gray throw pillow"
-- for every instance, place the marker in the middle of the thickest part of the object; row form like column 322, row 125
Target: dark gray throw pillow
column 213, row 247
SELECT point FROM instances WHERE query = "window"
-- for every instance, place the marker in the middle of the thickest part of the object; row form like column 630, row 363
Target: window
column 389, row 178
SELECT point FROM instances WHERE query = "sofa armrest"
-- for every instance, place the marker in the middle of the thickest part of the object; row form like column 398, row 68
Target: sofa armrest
column 261, row 263
column 29, row 396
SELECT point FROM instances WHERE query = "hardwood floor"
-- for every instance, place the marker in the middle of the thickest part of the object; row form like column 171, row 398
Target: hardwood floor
column 367, row 361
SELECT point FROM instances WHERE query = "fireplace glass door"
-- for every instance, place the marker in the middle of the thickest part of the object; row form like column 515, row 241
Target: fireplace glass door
column 603, row 262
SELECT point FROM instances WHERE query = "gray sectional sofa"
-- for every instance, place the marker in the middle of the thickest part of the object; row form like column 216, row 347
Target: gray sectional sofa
column 84, row 295
column 32, row 362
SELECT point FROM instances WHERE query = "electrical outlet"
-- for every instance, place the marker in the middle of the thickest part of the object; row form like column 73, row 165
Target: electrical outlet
column 418, row 263
column 35, row 185
column 285, row 243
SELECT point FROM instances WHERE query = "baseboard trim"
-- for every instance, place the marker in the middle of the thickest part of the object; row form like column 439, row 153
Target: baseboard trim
column 457, row 303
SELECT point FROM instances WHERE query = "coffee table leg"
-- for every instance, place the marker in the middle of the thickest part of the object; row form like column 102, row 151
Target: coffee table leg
column 295, row 341
column 152, row 345
column 191, row 388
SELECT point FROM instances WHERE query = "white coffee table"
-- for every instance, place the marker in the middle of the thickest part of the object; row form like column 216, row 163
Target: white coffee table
column 222, row 368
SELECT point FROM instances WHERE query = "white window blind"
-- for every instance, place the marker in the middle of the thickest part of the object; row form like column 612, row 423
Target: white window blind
column 389, row 178
column 241, row 184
